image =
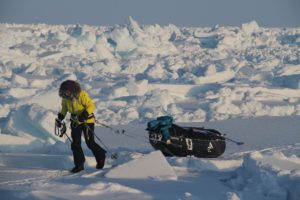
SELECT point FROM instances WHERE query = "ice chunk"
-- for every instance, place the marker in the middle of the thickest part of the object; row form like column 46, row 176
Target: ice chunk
column 133, row 27
column 250, row 27
column 75, row 31
column 102, row 49
column 220, row 77
column 21, row 92
column 123, row 40
column 272, row 174
column 153, row 165
column 19, row 81
column 158, row 98
column 137, row 87
column 119, row 92
column 31, row 121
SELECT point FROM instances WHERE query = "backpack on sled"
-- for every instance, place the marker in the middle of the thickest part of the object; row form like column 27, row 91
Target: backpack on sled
column 173, row 140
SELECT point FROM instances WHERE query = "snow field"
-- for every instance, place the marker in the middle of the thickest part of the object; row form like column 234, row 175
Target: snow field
column 256, row 67
column 242, row 81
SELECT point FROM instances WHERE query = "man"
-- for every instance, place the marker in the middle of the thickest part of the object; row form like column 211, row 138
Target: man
column 77, row 102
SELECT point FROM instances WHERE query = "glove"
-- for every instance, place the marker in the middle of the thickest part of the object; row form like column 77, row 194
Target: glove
column 58, row 120
column 83, row 116
column 63, row 130
column 60, row 116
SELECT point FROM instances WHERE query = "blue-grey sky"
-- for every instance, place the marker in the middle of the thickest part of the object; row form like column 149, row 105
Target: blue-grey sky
column 268, row 13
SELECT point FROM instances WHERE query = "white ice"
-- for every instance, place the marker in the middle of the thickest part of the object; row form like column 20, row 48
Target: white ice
column 243, row 81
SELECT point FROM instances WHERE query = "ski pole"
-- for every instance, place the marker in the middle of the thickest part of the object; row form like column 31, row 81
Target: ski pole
column 226, row 138
column 234, row 141
column 111, row 128
column 117, row 131
column 113, row 155
column 68, row 137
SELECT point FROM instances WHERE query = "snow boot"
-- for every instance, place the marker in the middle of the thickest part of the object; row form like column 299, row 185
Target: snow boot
column 100, row 164
column 77, row 169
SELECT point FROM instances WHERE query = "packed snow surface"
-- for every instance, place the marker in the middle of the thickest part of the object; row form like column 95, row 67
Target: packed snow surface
column 243, row 81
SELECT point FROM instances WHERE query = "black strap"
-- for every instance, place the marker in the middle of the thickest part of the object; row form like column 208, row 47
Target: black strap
column 74, row 116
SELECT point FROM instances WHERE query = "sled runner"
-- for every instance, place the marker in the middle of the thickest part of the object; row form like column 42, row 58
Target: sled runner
column 173, row 140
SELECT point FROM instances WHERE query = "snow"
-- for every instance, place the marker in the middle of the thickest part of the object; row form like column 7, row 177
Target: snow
column 243, row 81
column 276, row 176
column 131, row 170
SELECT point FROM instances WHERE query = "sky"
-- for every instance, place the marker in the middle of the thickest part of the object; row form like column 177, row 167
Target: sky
column 184, row 13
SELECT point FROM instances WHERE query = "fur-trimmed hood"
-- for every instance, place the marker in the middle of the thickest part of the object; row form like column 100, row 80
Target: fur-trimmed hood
column 70, row 85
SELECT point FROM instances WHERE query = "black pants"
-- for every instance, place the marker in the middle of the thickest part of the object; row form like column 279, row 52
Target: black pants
column 88, row 132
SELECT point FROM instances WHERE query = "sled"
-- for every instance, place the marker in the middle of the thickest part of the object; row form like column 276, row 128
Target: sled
column 185, row 141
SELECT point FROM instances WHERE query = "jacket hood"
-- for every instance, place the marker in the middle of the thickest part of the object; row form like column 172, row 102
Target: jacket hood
column 70, row 85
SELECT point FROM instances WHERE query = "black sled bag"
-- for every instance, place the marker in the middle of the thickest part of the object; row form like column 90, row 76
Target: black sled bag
column 186, row 141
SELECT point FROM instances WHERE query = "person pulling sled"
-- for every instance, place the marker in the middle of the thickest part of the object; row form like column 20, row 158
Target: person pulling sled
column 78, row 103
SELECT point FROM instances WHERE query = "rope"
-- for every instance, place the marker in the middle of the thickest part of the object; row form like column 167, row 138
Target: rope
column 109, row 127
column 113, row 155
column 122, row 132
column 222, row 135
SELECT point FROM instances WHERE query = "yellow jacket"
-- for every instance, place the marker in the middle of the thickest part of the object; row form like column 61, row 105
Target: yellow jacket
column 79, row 104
